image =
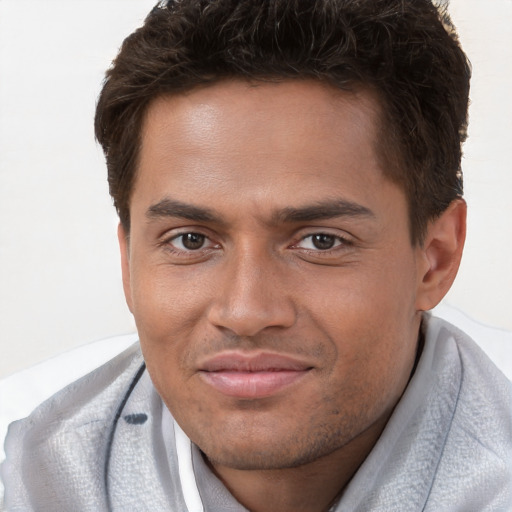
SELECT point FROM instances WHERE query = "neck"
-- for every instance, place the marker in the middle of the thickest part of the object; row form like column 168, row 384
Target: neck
column 312, row 487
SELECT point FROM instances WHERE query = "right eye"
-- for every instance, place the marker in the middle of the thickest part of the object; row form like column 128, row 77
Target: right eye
column 189, row 242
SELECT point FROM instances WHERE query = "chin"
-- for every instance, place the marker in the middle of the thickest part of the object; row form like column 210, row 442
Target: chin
column 272, row 452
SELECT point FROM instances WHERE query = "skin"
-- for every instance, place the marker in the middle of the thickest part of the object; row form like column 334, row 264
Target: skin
column 255, row 172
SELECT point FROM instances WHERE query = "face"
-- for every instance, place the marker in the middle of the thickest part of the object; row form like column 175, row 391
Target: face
column 270, row 270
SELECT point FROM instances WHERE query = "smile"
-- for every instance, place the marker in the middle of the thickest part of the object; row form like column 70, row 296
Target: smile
column 252, row 376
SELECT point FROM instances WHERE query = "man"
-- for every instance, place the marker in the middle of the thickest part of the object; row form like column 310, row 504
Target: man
column 287, row 176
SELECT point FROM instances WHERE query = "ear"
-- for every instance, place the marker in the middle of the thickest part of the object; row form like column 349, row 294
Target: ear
column 440, row 255
column 124, row 247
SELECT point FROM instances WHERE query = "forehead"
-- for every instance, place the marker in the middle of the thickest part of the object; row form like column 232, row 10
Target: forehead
column 309, row 104
column 228, row 114
column 291, row 142
column 291, row 97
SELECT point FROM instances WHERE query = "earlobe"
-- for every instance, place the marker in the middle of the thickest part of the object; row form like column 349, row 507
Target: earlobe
column 124, row 248
column 440, row 255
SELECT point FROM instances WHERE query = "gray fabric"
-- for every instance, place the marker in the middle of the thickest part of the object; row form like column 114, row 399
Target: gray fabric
column 142, row 473
column 447, row 446
column 55, row 457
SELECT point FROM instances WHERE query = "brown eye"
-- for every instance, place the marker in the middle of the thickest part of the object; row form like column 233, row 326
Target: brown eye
column 188, row 242
column 192, row 241
column 322, row 241
column 318, row 242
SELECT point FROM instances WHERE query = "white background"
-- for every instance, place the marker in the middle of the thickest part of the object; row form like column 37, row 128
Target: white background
column 60, row 283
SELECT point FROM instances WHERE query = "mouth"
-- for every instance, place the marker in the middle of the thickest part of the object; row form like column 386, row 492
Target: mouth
column 252, row 376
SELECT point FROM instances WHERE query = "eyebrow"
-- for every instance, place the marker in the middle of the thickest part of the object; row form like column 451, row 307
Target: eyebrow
column 171, row 208
column 323, row 210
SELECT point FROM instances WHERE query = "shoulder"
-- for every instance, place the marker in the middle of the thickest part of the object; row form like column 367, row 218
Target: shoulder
column 480, row 377
column 477, row 457
column 68, row 430
column 483, row 406
column 496, row 342
column 90, row 397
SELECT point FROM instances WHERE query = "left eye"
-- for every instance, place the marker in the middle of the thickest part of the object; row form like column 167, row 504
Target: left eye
column 320, row 242
column 189, row 241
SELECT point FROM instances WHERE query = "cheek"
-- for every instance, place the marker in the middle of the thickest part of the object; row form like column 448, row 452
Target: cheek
column 170, row 308
column 377, row 298
column 166, row 316
column 167, row 300
column 370, row 318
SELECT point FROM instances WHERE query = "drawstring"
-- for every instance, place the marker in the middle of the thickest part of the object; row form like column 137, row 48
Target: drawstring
column 187, row 477
column 110, row 442
column 183, row 451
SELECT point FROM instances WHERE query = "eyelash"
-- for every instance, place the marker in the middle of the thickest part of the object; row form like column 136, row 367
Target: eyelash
column 167, row 242
column 340, row 243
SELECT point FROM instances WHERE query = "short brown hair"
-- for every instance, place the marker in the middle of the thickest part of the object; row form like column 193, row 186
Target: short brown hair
column 406, row 50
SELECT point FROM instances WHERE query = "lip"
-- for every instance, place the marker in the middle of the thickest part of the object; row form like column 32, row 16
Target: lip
column 252, row 376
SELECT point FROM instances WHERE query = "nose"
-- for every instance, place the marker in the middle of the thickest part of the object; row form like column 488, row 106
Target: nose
column 251, row 296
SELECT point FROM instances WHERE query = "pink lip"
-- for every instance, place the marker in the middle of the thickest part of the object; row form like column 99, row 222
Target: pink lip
column 252, row 376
